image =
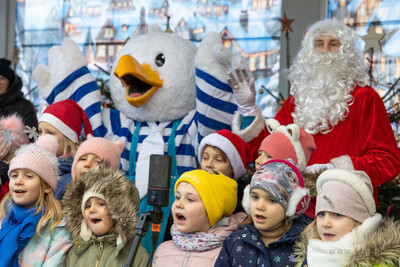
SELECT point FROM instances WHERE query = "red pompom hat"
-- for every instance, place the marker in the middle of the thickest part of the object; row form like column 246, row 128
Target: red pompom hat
column 67, row 117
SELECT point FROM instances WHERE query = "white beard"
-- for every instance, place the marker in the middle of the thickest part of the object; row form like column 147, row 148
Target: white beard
column 321, row 91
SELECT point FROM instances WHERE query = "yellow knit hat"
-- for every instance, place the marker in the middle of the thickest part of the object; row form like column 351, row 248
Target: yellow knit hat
column 217, row 191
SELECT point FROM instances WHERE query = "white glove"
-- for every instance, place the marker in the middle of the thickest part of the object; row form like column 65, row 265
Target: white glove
column 243, row 87
column 316, row 168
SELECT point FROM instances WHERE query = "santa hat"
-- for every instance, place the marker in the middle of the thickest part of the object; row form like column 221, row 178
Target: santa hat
column 107, row 151
column 67, row 117
column 39, row 158
column 234, row 147
column 349, row 193
column 289, row 141
column 12, row 134
column 282, row 180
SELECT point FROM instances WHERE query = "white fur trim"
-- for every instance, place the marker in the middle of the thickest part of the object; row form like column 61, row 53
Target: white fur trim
column 250, row 132
column 294, row 138
column 228, row 148
column 295, row 199
column 59, row 125
column 351, row 180
column 343, row 162
column 246, row 199
column 86, row 233
column 88, row 194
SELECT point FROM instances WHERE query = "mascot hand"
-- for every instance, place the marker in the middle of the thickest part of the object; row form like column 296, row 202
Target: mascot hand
column 213, row 57
column 243, row 87
column 63, row 60
column 317, row 168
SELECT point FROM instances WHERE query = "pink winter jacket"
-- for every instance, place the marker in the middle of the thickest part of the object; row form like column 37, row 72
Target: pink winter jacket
column 168, row 254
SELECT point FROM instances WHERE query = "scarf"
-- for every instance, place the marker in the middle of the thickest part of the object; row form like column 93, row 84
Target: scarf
column 198, row 241
column 16, row 231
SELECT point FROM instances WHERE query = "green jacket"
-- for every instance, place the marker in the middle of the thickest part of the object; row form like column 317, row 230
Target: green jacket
column 103, row 252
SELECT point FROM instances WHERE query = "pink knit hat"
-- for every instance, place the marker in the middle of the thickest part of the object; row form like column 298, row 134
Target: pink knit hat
column 106, row 150
column 349, row 193
column 235, row 148
column 67, row 117
column 40, row 158
column 12, row 134
column 289, row 141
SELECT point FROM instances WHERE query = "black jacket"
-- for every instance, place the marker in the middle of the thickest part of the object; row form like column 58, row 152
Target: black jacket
column 13, row 101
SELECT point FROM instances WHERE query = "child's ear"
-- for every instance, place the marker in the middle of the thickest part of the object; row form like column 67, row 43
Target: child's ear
column 47, row 189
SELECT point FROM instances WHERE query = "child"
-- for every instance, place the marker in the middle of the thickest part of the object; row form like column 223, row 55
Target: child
column 32, row 231
column 93, row 151
column 227, row 153
column 12, row 136
column 101, row 210
column 347, row 230
column 203, row 200
column 275, row 196
column 64, row 120
column 286, row 142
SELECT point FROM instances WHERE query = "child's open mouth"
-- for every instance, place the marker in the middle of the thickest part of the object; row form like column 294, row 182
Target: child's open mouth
column 260, row 218
column 180, row 218
column 328, row 236
column 19, row 191
column 94, row 221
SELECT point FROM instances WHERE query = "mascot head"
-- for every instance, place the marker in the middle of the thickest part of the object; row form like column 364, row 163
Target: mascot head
column 153, row 77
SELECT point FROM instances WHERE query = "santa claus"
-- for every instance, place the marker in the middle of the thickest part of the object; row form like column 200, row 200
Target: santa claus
column 329, row 98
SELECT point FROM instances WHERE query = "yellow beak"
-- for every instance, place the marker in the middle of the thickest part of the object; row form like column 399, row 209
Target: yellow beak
column 140, row 80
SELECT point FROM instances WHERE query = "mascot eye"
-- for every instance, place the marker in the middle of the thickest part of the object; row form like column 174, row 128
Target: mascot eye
column 160, row 60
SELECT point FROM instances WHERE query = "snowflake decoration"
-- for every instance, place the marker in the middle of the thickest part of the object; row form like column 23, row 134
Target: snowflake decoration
column 239, row 248
column 277, row 259
column 8, row 137
column 291, row 257
column 31, row 132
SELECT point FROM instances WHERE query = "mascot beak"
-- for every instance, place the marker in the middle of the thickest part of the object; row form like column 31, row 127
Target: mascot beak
column 140, row 80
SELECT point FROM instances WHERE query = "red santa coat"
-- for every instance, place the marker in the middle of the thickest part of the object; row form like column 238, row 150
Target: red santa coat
column 365, row 135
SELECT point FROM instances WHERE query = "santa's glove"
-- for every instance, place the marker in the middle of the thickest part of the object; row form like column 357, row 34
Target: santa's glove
column 243, row 87
column 318, row 168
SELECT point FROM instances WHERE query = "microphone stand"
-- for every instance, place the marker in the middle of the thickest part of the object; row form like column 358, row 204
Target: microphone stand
column 154, row 216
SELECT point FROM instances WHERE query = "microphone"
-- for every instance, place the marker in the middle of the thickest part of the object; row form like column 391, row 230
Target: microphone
column 159, row 180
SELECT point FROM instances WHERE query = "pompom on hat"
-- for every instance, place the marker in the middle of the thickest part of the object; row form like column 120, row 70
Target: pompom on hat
column 217, row 191
column 108, row 151
column 5, row 69
column 235, row 148
column 349, row 193
column 282, row 180
column 68, row 118
column 12, row 134
column 289, row 141
column 39, row 158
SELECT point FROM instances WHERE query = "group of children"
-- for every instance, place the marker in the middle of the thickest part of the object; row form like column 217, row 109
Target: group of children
column 60, row 210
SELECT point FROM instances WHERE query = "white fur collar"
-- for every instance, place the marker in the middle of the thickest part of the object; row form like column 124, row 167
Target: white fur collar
column 336, row 254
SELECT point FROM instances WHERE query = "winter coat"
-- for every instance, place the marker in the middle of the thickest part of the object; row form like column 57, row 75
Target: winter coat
column 64, row 165
column 168, row 254
column 13, row 101
column 4, row 179
column 46, row 250
column 103, row 251
column 122, row 200
column 376, row 242
column 246, row 248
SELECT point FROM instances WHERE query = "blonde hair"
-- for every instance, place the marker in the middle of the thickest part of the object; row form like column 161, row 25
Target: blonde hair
column 311, row 231
column 70, row 147
column 52, row 214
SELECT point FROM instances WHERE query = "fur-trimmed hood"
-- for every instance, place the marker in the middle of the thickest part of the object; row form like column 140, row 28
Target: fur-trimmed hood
column 381, row 247
column 121, row 196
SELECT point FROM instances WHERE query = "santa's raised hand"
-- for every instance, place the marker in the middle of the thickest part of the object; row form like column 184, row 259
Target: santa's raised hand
column 242, row 83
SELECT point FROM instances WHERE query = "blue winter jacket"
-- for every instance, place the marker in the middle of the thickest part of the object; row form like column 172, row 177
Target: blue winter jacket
column 246, row 248
column 64, row 165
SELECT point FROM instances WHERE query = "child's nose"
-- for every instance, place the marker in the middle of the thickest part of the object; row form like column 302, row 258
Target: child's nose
column 327, row 222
